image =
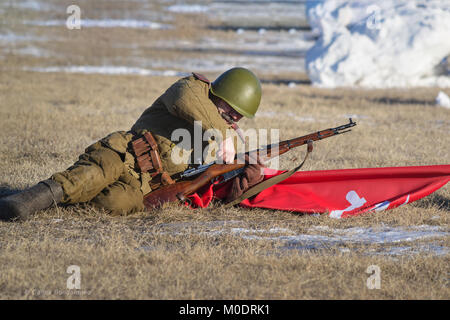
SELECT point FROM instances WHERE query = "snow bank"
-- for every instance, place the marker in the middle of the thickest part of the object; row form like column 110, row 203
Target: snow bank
column 391, row 43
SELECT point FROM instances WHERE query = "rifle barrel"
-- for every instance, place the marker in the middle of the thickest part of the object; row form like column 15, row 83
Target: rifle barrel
column 284, row 146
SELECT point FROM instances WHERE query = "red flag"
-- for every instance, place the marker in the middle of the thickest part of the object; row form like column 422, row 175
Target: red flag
column 341, row 193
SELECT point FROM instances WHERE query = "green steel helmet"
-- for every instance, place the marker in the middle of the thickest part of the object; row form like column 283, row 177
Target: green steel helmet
column 240, row 88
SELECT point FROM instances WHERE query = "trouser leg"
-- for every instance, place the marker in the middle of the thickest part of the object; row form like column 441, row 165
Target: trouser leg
column 120, row 198
column 95, row 170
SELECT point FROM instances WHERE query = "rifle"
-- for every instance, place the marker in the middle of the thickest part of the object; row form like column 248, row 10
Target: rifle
column 212, row 172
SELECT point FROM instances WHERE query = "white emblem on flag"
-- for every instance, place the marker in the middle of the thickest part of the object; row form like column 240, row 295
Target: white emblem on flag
column 355, row 201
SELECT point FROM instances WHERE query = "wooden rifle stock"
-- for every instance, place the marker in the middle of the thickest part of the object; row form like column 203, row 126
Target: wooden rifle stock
column 180, row 190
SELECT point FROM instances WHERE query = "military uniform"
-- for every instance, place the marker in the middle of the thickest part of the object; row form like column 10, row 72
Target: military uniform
column 117, row 171
column 107, row 175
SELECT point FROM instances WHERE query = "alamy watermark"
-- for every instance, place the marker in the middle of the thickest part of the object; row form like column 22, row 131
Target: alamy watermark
column 74, row 19
column 74, row 281
column 374, row 281
column 190, row 147
column 73, row 286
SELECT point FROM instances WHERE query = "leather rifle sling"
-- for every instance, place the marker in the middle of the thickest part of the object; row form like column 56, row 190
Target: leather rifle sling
column 270, row 182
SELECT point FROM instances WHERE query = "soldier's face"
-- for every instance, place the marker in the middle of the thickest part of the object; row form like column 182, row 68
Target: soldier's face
column 225, row 108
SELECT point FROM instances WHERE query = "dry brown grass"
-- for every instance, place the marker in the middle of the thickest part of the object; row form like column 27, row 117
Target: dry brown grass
column 134, row 258
column 47, row 119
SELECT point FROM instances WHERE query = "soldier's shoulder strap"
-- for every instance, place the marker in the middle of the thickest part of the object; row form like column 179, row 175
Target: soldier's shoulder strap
column 201, row 77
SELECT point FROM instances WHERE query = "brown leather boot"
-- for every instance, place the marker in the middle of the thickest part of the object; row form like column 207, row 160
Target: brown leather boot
column 39, row 197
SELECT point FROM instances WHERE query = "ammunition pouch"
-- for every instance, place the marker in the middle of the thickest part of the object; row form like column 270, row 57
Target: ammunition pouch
column 147, row 159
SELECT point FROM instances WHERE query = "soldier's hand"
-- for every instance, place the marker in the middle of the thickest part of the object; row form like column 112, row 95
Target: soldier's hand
column 252, row 175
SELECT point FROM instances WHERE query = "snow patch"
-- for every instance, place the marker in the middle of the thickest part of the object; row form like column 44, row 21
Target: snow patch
column 188, row 8
column 271, row 230
column 10, row 37
column 119, row 70
column 33, row 51
column 29, row 5
column 443, row 100
column 359, row 235
column 107, row 23
column 385, row 234
column 391, row 240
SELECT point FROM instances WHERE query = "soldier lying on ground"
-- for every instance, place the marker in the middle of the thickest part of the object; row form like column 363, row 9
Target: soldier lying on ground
column 117, row 171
